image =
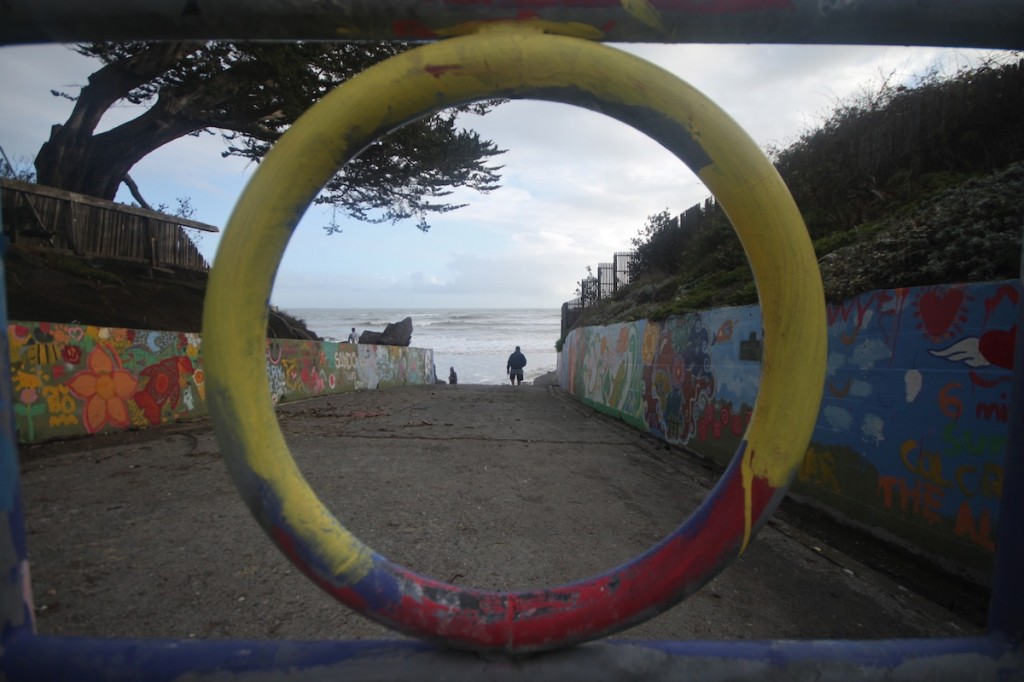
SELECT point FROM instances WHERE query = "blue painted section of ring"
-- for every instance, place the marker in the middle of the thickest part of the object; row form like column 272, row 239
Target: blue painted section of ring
column 381, row 588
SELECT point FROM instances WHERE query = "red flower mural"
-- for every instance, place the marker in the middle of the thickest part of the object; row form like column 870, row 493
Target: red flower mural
column 104, row 386
column 165, row 384
column 71, row 354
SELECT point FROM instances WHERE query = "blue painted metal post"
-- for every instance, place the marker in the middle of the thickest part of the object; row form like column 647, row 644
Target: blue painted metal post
column 1006, row 610
column 15, row 586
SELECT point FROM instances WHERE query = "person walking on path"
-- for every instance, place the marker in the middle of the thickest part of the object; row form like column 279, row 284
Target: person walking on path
column 514, row 366
column 353, row 337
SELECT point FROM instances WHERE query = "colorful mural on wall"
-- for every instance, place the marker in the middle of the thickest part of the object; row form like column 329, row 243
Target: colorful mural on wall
column 912, row 431
column 73, row 380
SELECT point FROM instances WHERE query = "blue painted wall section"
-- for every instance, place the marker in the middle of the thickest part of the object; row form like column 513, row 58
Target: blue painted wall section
column 911, row 438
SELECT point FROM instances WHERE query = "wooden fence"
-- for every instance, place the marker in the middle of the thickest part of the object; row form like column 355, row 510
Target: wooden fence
column 88, row 226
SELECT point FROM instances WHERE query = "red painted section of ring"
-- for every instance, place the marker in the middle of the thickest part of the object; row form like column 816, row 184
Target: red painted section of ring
column 567, row 614
column 536, row 620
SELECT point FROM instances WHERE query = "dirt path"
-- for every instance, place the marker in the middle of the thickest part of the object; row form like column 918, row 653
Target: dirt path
column 143, row 535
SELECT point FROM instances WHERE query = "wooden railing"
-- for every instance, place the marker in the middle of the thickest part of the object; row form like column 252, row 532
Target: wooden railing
column 88, row 226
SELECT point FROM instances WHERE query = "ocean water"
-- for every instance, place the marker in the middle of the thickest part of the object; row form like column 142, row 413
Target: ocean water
column 476, row 342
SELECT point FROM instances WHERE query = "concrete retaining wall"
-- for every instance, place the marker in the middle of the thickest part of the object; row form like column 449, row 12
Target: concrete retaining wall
column 911, row 436
column 74, row 380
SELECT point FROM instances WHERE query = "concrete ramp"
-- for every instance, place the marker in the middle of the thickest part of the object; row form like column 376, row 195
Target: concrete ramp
column 499, row 487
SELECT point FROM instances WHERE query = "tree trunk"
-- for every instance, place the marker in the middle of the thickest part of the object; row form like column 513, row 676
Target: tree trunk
column 68, row 160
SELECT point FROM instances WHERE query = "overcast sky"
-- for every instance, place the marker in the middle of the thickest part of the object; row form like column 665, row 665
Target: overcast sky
column 577, row 186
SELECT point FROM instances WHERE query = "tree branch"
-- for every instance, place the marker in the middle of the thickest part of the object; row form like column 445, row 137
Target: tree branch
column 134, row 189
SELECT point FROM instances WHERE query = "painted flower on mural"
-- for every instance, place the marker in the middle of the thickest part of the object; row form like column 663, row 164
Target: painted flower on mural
column 166, row 381
column 28, row 385
column 19, row 333
column 118, row 340
column 650, row 346
column 313, row 380
column 678, row 371
column 192, row 342
column 66, row 334
column 105, row 387
column 721, row 422
column 590, row 360
column 71, row 354
column 58, row 333
column 26, row 380
column 199, row 379
column 679, row 382
column 622, row 344
column 707, row 417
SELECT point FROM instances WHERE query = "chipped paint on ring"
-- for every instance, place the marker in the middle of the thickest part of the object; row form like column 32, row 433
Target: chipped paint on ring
column 523, row 64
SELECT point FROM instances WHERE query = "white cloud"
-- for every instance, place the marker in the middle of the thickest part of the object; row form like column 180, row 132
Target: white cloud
column 577, row 185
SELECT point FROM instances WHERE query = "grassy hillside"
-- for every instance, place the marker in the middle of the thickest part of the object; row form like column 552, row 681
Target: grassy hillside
column 904, row 187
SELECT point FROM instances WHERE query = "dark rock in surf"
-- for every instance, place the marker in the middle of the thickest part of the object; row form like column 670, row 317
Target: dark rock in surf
column 394, row 334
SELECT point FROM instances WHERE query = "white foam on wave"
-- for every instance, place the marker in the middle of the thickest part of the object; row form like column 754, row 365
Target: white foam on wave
column 476, row 342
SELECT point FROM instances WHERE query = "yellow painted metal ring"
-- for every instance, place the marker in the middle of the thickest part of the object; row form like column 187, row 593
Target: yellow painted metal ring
column 515, row 63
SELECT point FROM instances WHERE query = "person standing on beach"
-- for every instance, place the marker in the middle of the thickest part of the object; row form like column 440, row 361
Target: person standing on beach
column 453, row 378
column 353, row 337
column 514, row 366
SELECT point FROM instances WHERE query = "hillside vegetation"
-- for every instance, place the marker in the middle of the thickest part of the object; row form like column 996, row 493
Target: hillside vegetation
column 903, row 187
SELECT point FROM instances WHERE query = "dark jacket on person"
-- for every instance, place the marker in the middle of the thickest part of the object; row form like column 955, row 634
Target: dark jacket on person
column 517, row 360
